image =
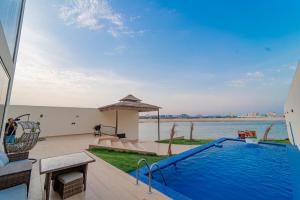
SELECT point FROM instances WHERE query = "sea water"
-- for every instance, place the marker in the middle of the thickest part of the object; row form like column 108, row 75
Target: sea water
column 212, row 130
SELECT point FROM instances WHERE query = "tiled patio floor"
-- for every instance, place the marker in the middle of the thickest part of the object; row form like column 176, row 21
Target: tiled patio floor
column 104, row 181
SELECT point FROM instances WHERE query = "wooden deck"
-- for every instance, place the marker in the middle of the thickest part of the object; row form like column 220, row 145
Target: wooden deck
column 104, row 181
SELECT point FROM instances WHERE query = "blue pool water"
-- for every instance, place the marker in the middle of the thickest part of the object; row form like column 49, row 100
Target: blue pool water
column 237, row 171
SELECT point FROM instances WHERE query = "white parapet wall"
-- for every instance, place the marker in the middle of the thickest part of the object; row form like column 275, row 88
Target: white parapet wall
column 57, row 121
column 292, row 110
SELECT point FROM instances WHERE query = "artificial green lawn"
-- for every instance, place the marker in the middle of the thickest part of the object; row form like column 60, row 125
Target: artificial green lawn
column 205, row 141
column 278, row 141
column 187, row 141
column 125, row 161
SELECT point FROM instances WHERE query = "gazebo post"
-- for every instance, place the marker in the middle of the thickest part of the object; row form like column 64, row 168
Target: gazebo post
column 117, row 116
column 158, row 125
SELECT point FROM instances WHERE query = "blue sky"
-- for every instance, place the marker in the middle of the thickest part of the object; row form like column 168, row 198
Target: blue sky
column 197, row 57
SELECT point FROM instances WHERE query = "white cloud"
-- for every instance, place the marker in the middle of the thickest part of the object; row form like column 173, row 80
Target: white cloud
column 284, row 68
column 248, row 77
column 292, row 67
column 134, row 18
column 92, row 14
column 237, row 83
column 116, row 51
column 255, row 75
column 46, row 74
column 199, row 102
column 96, row 15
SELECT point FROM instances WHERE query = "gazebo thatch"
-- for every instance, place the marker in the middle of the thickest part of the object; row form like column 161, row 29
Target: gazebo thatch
column 130, row 102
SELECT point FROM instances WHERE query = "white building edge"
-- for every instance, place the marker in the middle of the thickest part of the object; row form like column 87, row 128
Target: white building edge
column 292, row 110
column 10, row 31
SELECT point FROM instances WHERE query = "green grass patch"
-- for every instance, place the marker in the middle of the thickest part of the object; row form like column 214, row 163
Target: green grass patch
column 279, row 141
column 187, row 142
column 126, row 161
column 205, row 141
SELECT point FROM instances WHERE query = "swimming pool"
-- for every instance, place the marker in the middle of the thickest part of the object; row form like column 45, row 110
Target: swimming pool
column 235, row 171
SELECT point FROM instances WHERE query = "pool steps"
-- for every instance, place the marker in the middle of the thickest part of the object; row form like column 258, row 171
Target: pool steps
column 159, row 169
column 138, row 173
column 150, row 171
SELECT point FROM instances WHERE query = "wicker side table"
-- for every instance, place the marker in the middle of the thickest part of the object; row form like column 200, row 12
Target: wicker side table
column 68, row 184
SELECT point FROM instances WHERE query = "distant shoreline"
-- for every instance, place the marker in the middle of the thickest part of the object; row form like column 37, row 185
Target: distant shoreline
column 214, row 119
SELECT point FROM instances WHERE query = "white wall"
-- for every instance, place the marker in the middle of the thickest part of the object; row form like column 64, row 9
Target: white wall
column 292, row 110
column 128, row 122
column 58, row 121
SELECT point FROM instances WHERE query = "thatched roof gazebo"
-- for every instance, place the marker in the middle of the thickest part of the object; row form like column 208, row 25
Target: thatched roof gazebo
column 130, row 102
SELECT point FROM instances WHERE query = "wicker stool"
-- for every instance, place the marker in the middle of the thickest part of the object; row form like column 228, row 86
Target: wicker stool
column 68, row 184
